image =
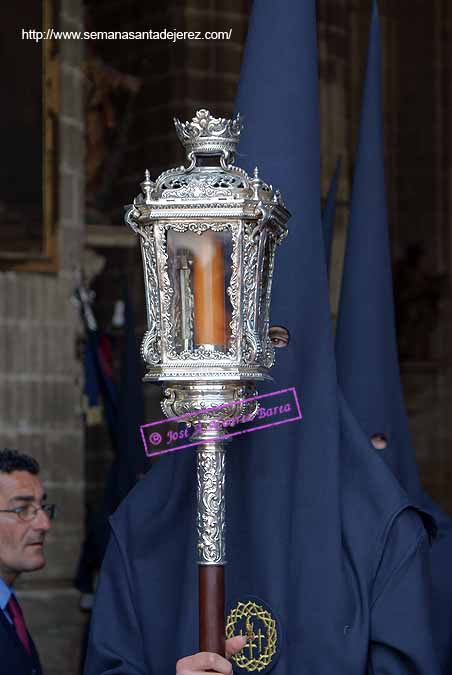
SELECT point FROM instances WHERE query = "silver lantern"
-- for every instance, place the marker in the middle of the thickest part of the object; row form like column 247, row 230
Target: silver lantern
column 209, row 233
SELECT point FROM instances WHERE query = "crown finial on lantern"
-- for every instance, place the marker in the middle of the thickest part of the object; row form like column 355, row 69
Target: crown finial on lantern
column 208, row 135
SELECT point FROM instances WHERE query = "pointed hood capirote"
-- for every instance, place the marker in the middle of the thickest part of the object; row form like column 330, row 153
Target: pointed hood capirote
column 310, row 512
column 366, row 345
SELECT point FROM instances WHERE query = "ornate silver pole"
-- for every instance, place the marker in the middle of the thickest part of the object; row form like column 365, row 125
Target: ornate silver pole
column 208, row 419
column 211, row 406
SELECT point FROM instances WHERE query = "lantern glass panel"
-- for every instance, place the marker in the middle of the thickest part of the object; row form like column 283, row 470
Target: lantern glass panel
column 200, row 268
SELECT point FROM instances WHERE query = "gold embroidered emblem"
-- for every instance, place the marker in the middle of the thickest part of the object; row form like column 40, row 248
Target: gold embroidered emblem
column 254, row 621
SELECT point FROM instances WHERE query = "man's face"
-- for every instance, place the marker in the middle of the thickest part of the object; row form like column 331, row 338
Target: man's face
column 21, row 543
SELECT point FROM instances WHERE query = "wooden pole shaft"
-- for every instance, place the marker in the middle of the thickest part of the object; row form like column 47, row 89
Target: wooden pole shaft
column 211, row 609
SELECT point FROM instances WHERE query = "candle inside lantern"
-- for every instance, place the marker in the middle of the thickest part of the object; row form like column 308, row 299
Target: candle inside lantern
column 208, row 291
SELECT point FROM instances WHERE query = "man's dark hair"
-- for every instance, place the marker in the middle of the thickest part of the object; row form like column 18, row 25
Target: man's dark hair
column 12, row 460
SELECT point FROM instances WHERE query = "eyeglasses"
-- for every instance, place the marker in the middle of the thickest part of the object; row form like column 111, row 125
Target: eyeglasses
column 30, row 511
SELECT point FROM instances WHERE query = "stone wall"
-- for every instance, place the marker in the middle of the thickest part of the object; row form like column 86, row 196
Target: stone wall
column 40, row 383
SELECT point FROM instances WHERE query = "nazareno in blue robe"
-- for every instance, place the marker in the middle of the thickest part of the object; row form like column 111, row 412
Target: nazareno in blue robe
column 318, row 528
column 366, row 347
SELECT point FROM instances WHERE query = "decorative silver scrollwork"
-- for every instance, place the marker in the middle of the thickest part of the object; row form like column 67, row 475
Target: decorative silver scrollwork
column 151, row 344
column 269, row 353
column 205, row 402
column 131, row 218
column 251, row 346
column 198, row 186
column 211, row 520
column 149, row 347
column 269, row 350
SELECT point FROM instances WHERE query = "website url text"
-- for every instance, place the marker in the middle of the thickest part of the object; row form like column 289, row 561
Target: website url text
column 165, row 34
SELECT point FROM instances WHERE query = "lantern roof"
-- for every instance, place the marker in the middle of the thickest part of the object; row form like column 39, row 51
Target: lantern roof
column 217, row 185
